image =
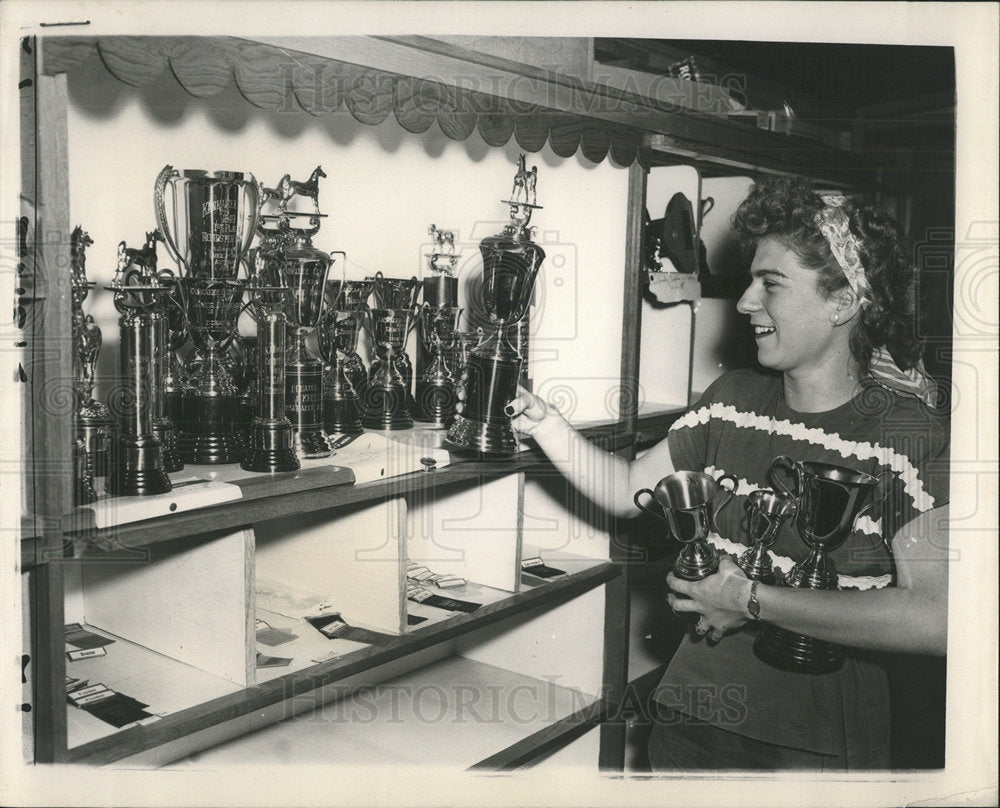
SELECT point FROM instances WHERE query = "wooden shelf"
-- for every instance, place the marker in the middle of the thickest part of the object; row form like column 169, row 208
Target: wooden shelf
column 304, row 491
column 469, row 713
column 283, row 690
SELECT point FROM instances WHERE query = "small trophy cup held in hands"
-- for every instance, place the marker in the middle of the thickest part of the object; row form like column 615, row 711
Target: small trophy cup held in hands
column 828, row 501
column 766, row 512
column 688, row 503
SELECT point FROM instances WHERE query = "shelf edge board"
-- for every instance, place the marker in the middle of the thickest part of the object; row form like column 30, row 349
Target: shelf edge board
column 234, row 706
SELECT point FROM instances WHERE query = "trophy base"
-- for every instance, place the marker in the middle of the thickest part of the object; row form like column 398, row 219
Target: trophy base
column 486, row 438
column 270, row 449
column 435, row 404
column 136, row 469
column 796, row 653
column 210, row 450
column 311, row 443
column 756, row 565
column 695, row 561
column 385, row 408
column 342, row 416
column 208, row 434
column 167, row 434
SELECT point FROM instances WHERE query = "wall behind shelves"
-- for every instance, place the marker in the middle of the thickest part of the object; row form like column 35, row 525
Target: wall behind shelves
column 384, row 188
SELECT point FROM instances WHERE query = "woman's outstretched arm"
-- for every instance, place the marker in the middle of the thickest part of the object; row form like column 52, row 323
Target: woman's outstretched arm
column 604, row 478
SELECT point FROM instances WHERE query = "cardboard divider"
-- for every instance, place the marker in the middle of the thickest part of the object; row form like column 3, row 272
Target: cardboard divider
column 194, row 604
column 470, row 531
column 352, row 562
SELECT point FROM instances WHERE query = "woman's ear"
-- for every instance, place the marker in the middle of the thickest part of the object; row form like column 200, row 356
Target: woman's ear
column 847, row 304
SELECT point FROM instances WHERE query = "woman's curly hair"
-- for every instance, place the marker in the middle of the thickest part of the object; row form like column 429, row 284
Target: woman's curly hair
column 785, row 208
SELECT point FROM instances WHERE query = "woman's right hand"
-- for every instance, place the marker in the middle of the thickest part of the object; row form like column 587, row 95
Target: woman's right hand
column 529, row 413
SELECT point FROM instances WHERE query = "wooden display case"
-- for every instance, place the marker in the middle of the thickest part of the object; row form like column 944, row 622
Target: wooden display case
column 181, row 592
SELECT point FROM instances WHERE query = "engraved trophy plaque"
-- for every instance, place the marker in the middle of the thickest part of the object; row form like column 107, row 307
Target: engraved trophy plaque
column 766, row 512
column 688, row 503
column 511, row 261
column 828, row 501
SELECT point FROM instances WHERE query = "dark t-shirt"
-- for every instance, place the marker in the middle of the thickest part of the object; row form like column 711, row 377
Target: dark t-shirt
column 740, row 425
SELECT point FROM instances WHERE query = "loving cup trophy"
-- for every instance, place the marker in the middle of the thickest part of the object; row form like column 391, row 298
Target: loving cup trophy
column 207, row 220
column 511, row 261
column 828, row 501
column 766, row 512
column 687, row 500
column 388, row 399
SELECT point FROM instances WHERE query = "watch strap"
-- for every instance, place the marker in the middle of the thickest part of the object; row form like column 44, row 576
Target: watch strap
column 753, row 605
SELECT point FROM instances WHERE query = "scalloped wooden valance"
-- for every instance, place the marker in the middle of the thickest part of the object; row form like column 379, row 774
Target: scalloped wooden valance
column 271, row 77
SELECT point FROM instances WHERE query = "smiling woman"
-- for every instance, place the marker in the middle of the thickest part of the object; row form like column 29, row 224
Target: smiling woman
column 841, row 387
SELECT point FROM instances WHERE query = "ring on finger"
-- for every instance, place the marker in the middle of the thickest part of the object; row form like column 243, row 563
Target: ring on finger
column 702, row 628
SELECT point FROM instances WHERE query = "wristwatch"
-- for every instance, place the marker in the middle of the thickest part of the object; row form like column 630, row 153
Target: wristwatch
column 753, row 605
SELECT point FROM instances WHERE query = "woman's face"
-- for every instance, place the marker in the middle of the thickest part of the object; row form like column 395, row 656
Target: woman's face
column 791, row 319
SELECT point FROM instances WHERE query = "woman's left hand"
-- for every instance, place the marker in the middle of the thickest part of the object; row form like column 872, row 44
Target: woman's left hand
column 720, row 599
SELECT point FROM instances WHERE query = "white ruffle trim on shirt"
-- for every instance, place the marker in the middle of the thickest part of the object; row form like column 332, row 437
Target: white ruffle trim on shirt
column 908, row 473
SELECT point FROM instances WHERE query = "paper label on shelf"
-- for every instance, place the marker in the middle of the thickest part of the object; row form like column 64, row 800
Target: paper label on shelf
column 83, row 692
column 104, row 694
column 86, row 653
column 187, row 494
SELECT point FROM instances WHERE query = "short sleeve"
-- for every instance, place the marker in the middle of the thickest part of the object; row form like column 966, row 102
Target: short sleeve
column 688, row 438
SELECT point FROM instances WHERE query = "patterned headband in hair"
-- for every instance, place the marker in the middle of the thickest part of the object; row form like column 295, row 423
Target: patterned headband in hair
column 883, row 370
column 832, row 223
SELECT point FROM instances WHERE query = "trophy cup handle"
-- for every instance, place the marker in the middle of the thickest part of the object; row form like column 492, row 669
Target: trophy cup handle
column 729, row 491
column 792, row 465
column 883, row 485
column 343, row 278
column 647, row 509
column 160, row 210
column 253, row 189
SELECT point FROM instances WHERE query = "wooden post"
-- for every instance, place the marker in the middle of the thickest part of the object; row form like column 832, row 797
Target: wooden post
column 616, row 608
column 48, row 398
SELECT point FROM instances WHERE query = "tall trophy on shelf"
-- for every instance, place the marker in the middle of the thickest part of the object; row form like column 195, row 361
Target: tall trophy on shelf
column 304, row 271
column 136, row 464
column 92, row 422
column 341, row 405
column 689, row 502
column 511, row 261
column 388, row 399
column 270, row 445
column 207, row 229
column 828, row 501
column 435, row 391
column 766, row 511
column 346, row 323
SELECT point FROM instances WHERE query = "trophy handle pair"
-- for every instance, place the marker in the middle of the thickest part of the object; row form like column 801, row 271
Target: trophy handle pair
column 881, row 488
column 253, row 187
column 729, row 492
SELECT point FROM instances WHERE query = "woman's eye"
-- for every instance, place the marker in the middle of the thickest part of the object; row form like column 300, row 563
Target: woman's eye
column 769, row 284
